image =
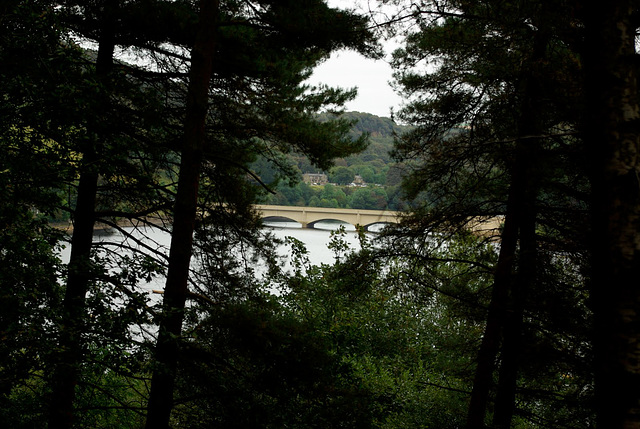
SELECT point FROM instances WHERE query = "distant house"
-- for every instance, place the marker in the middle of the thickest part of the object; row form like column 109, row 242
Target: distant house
column 359, row 181
column 315, row 178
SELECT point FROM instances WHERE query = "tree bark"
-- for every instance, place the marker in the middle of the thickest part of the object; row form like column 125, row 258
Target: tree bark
column 505, row 402
column 175, row 293
column 515, row 302
column 504, row 327
column 66, row 372
column 612, row 136
column 526, row 178
column 504, row 319
column 490, row 345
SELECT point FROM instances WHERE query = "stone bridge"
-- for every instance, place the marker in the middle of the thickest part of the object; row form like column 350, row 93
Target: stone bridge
column 308, row 216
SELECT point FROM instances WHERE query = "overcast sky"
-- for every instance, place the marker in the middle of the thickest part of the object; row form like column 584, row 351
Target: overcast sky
column 348, row 69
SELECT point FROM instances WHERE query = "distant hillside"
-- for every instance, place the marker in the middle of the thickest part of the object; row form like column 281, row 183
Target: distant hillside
column 376, row 126
column 374, row 166
column 381, row 131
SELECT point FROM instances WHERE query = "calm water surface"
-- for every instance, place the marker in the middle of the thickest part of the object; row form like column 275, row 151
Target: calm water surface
column 315, row 239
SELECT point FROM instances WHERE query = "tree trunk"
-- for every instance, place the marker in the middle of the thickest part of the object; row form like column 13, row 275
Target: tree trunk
column 68, row 360
column 66, row 372
column 527, row 185
column 506, row 309
column 612, row 135
column 485, row 362
column 505, row 402
column 175, row 293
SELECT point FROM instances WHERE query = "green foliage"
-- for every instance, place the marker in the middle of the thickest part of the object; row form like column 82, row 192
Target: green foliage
column 362, row 343
column 369, row 198
column 253, row 364
column 501, row 73
column 407, row 346
column 111, row 395
column 33, row 172
column 373, row 164
column 341, row 175
column 330, row 195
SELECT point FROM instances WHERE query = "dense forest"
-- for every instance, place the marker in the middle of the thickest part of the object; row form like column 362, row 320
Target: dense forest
column 145, row 116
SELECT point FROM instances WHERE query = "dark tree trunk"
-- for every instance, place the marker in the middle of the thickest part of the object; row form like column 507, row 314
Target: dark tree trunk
column 503, row 331
column 612, row 135
column 504, row 319
column 513, row 320
column 65, row 375
column 66, row 371
column 175, row 293
column 527, row 184
column 486, row 359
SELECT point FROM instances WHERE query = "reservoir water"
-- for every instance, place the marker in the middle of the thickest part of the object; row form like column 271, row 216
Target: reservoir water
column 315, row 239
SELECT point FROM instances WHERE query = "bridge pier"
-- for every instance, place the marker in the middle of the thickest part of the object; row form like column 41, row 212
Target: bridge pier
column 306, row 225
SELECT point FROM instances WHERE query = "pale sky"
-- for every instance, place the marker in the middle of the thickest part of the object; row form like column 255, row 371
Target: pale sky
column 347, row 69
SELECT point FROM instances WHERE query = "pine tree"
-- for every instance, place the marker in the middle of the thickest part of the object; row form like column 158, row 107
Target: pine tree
column 495, row 122
column 256, row 56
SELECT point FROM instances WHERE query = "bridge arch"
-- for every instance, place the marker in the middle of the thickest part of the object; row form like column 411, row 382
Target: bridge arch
column 308, row 216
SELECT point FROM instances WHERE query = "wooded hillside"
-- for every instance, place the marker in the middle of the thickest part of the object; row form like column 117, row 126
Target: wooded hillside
column 374, row 165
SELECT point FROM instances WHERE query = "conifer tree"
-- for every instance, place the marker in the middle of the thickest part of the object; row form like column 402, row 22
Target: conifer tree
column 256, row 103
column 119, row 160
column 495, row 122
